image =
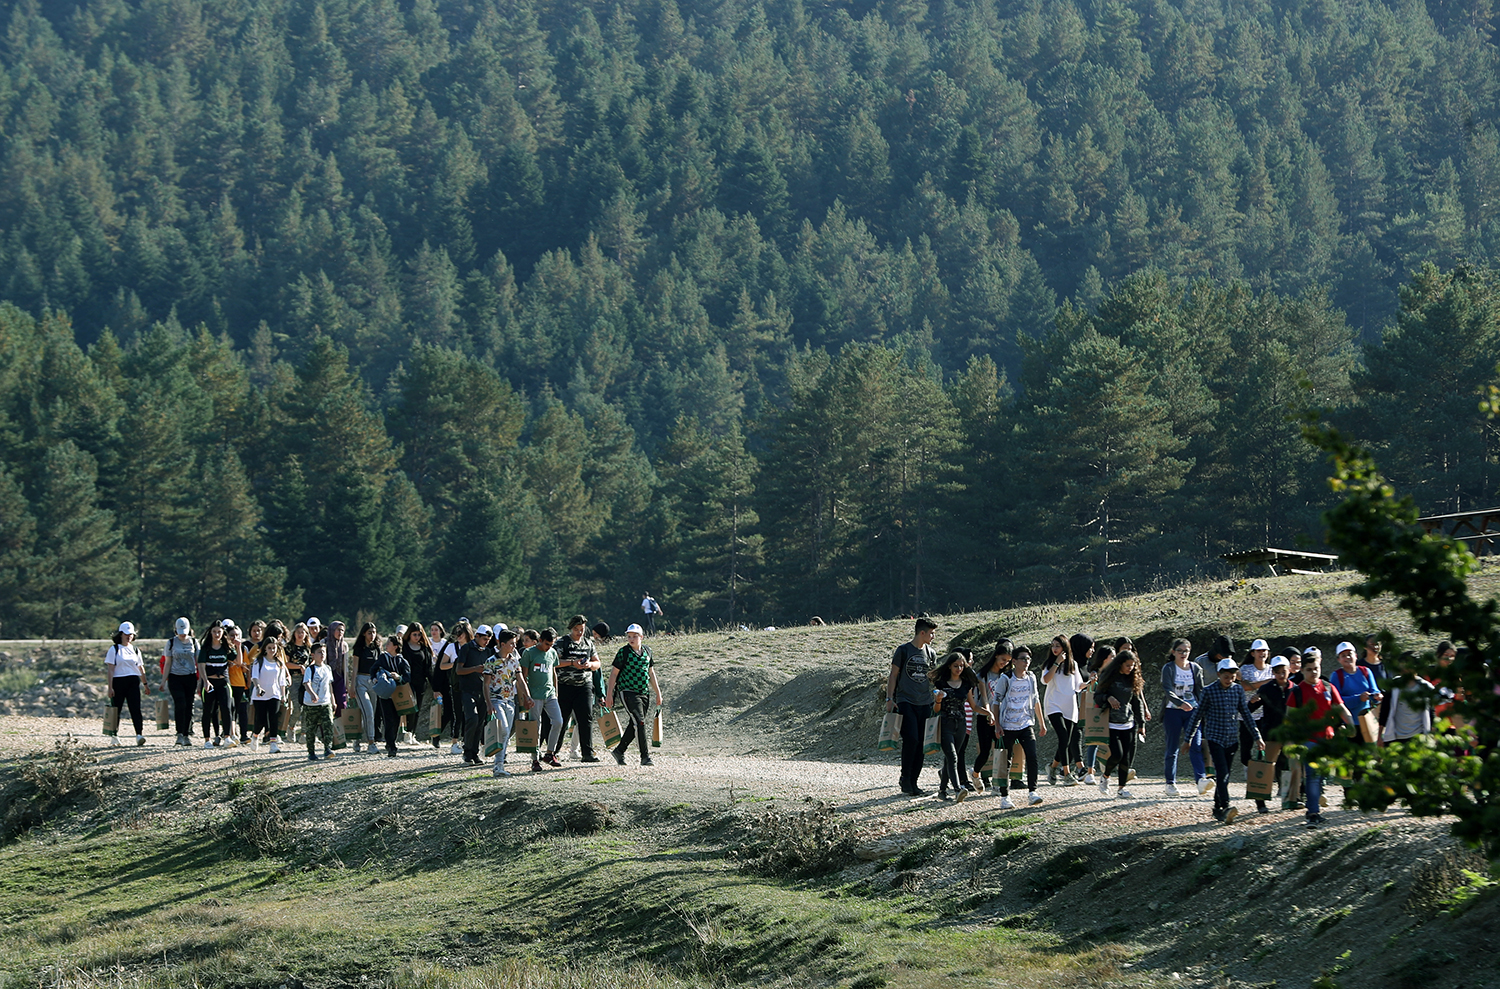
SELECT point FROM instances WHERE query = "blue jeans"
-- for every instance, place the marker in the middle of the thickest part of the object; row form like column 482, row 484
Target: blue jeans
column 1175, row 720
column 1312, row 783
column 366, row 698
column 504, row 712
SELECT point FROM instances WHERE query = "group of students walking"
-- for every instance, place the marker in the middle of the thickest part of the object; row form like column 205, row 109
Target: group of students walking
column 1211, row 702
column 273, row 685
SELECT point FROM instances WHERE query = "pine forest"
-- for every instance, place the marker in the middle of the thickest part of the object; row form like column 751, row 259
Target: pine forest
column 412, row 309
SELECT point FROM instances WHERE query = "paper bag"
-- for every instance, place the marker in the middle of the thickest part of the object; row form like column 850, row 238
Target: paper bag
column 528, row 734
column 340, row 739
column 890, row 732
column 404, row 700
column 491, row 737
column 353, row 721
column 1095, row 725
column 609, row 728
column 111, row 719
column 656, row 729
column 932, row 736
column 435, row 716
column 163, row 714
column 284, row 721
column 1000, row 763
column 1369, row 728
column 1018, row 758
column 1260, row 779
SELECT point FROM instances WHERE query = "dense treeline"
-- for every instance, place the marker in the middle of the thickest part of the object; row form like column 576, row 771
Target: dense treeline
column 507, row 308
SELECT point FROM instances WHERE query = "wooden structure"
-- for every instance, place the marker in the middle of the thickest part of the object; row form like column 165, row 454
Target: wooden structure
column 1290, row 560
column 1477, row 530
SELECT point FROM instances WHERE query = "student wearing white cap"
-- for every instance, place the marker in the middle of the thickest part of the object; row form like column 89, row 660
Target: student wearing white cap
column 1254, row 675
column 180, row 678
column 1356, row 685
column 1223, row 705
column 125, row 672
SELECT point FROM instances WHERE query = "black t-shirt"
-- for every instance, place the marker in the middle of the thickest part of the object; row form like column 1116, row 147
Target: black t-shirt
column 471, row 654
column 367, row 656
column 420, row 661
column 297, row 657
column 215, row 659
column 569, row 651
column 912, row 685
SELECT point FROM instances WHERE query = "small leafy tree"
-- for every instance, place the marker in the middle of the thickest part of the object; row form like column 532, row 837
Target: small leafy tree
column 1374, row 530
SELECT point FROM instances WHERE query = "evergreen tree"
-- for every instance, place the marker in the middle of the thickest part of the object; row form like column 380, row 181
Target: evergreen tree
column 17, row 543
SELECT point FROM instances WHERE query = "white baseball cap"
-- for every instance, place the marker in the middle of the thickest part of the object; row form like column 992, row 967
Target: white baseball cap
column 126, row 628
column 1228, row 664
column 184, row 626
column 636, row 629
column 484, row 630
column 1260, row 644
column 1345, row 647
column 1279, row 661
column 313, row 623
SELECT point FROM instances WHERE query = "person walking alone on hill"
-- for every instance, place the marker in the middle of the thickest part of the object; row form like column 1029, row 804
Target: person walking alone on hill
column 650, row 609
column 909, row 691
column 125, row 670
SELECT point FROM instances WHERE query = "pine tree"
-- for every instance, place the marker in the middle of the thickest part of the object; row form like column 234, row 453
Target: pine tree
column 17, row 543
column 479, row 567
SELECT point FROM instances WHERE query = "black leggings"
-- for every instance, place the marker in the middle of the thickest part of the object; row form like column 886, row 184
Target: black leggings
column 216, row 709
column 1069, row 735
column 268, row 717
column 954, row 740
column 183, row 686
column 128, row 691
column 1121, row 752
column 986, row 734
column 1026, row 738
column 241, row 712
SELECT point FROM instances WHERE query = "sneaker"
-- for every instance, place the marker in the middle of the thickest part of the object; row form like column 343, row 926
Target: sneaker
column 275, row 747
column 1313, row 820
column 1204, row 785
column 1005, row 803
column 1124, row 794
column 1051, row 775
column 536, row 767
column 457, row 749
column 327, row 752
column 498, row 773
column 254, row 742
column 229, row 743
column 551, row 759
column 969, row 787
column 917, row 791
column 1230, row 815
column 354, row 746
column 1261, row 808
column 1291, row 805
column 589, row 758
column 1069, row 779
column 1104, row 785
column 208, row 743
column 114, row 741
column 646, row 761
column 312, row 757
column 1172, row 790
column 943, row 794
column 1034, row 799
column 1088, row 779
column 619, row 756
column 1129, row 775
column 1219, row 814
column 961, row 795
column 140, row 739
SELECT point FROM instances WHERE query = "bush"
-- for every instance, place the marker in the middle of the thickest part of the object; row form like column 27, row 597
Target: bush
column 49, row 783
column 257, row 824
column 803, row 843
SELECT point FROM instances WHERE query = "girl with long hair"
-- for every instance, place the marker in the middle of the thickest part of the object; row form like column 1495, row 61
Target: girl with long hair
column 1064, row 682
column 298, row 655
column 989, row 674
column 215, row 657
column 1182, row 687
column 1122, row 689
column 954, row 685
column 269, row 681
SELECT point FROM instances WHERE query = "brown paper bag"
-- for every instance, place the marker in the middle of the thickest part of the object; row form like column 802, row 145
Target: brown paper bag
column 609, row 728
column 340, row 739
column 163, row 714
column 284, row 721
column 890, row 732
column 491, row 737
column 353, row 721
column 435, row 716
column 528, row 734
column 1369, row 728
column 1260, row 780
column 1095, row 724
column 111, row 719
column 404, row 700
column 656, row 729
column 932, row 736
column 1000, row 763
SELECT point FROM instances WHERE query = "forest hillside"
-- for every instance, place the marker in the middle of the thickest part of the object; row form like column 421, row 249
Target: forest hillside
column 771, row 309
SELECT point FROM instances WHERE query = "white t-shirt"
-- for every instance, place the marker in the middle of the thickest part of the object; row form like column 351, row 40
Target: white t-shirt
column 1183, row 680
column 1062, row 694
column 1019, row 704
column 991, row 686
column 126, row 661
column 1249, row 674
column 269, row 679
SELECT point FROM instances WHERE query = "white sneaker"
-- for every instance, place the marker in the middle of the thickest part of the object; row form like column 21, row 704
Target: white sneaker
column 114, row 741
column 254, row 742
column 275, row 747
column 499, row 773
column 1124, row 794
column 1034, row 799
column 140, row 739
column 1005, row 803
column 1204, row 785
column 1172, row 790
column 1104, row 785
column 229, row 743
column 458, row 749
column 1129, row 775
column 1088, row 779
column 208, row 743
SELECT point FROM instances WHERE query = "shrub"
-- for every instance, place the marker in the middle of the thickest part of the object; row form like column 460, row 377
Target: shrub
column 804, row 843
